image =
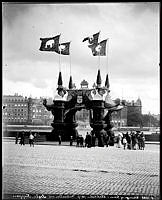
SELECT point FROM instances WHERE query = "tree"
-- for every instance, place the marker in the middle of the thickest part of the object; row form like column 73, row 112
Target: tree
column 134, row 118
column 149, row 120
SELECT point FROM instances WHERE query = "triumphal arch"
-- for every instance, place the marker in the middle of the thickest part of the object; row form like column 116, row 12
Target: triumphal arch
column 68, row 101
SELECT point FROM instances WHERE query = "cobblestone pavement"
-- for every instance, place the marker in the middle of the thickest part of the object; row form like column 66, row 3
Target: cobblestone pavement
column 75, row 170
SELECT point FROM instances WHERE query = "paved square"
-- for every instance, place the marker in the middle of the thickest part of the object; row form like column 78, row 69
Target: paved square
column 53, row 169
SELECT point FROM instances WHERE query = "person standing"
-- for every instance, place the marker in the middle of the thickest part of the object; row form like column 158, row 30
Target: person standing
column 59, row 138
column 119, row 140
column 124, row 142
column 128, row 138
column 142, row 141
column 35, row 137
column 86, row 140
column 71, row 140
column 93, row 139
column 31, row 139
column 22, row 138
column 89, row 140
column 81, row 141
column 16, row 138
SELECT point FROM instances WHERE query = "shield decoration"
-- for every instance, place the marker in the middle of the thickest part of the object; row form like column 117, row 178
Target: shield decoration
column 79, row 99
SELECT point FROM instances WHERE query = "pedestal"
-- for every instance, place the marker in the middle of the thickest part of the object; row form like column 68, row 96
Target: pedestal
column 98, row 124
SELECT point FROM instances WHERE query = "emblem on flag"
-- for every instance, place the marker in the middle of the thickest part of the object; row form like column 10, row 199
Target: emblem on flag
column 49, row 44
column 100, row 49
column 92, row 39
column 52, row 44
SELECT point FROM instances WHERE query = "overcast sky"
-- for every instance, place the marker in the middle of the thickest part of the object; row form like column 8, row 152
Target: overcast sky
column 132, row 60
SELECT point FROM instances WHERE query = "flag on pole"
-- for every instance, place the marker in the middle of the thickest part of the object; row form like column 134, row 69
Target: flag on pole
column 99, row 49
column 49, row 44
column 92, row 39
column 63, row 48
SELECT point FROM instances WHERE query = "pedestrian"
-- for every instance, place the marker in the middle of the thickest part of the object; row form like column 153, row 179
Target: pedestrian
column 59, row 138
column 81, row 141
column 119, row 140
column 142, row 141
column 31, row 139
column 71, row 140
column 93, row 139
column 86, row 140
column 128, row 138
column 124, row 142
column 22, row 138
column 16, row 138
column 77, row 141
column 133, row 137
column 35, row 137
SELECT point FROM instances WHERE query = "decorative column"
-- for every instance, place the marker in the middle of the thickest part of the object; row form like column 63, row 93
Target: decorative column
column 98, row 124
column 98, row 107
column 58, row 122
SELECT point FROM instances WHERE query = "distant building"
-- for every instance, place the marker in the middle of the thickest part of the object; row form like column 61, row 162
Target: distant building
column 84, row 84
column 38, row 113
column 20, row 110
column 82, row 115
column 15, row 109
column 120, row 118
column 135, row 106
column 156, row 116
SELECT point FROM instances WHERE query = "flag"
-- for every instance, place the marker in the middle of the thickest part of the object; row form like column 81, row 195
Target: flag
column 92, row 39
column 63, row 48
column 49, row 44
column 99, row 49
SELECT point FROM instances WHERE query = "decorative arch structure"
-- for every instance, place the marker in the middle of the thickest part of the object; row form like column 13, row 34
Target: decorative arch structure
column 65, row 106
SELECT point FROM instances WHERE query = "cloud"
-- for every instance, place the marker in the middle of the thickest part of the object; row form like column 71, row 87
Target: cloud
column 133, row 45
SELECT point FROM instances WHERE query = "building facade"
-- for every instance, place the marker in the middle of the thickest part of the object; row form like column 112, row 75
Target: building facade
column 15, row 109
column 120, row 118
column 22, row 110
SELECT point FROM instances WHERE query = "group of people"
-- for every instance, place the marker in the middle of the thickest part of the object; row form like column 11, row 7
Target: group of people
column 22, row 137
column 131, row 140
column 89, row 141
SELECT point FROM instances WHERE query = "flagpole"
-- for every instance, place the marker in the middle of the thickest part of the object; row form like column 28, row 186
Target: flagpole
column 70, row 63
column 99, row 52
column 107, row 55
column 59, row 59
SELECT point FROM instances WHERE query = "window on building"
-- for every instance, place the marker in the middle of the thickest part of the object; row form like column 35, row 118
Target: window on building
column 15, row 104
